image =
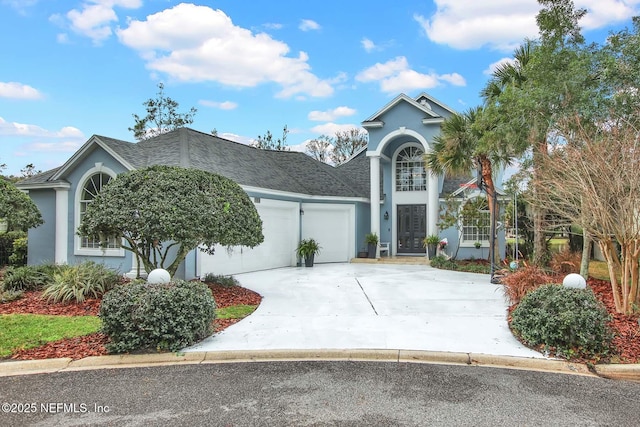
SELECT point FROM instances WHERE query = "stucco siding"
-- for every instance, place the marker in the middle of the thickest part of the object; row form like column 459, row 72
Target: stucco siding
column 41, row 247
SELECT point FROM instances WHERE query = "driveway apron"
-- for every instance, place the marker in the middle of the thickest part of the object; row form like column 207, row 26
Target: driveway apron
column 369, row 306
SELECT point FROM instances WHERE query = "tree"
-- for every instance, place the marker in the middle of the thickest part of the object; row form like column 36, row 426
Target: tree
column 456, row 212
column 162, row 116
column 320, row 148
column 162, row 213
column 17, row 209
column 556, row 81
column 29, row 170
column 267, row 141
column 346, row 143
column 460, row 149
column 592, row 179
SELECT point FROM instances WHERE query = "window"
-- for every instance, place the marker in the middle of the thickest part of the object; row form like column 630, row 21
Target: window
column 476, row 224
column 411, row 174
column 89, row 190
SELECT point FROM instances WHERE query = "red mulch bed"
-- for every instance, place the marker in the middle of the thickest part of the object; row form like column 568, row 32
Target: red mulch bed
column 627, row 329
column 94, row 344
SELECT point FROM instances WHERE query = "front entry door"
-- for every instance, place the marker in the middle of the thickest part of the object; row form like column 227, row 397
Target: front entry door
column 412, row 228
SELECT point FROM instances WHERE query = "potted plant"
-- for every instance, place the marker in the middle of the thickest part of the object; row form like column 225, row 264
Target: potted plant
column 372, row 244
column 307, row 249
column 431, row 243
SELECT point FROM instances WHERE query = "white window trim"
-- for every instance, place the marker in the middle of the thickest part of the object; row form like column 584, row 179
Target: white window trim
column 77, row 246
column 394, row 166
column 469, row 243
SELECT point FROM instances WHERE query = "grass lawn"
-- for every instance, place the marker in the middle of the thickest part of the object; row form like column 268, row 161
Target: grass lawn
column 235, row 311
column 22, row 331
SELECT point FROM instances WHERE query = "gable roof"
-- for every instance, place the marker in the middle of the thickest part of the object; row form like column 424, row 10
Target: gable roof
column 287, row 171
column 419, row 103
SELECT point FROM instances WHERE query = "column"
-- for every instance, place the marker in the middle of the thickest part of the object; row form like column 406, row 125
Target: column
column 433, row 205
column 62, row 226
column 374, row 163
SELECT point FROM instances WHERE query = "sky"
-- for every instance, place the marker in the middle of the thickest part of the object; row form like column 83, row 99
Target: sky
column 71, row 69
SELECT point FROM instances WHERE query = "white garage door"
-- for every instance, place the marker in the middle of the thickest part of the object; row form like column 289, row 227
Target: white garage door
column 280, row 225
column 333, row 226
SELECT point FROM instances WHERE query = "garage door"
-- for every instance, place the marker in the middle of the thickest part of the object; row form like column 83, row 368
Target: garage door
column 333, row 226
column 280, row 225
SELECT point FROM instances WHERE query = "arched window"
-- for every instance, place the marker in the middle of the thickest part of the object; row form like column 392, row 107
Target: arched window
column 88, row 188
column 411, row 174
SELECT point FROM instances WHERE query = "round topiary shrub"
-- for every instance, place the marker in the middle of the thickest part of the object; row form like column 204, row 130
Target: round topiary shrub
column 570, row 323
column 167, row 316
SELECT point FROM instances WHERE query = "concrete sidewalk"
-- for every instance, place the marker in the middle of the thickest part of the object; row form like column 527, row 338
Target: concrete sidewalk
column 368, row 306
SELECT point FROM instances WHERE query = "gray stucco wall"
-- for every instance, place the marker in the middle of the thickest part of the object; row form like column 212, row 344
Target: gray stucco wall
column 41, row 249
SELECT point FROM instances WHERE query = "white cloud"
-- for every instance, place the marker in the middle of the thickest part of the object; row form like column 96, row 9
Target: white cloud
column 273, row 26
column 309, row 25
column 494, row 66
column 62, row 146
column 396, row 76
column 225, row 105
column 237, row 138
column 95, row 17
column 197, row 43
column 368, row 45
column 330, row 115
column 500, row 25
column 27, row 130
column 330, row 129
column 18, row 91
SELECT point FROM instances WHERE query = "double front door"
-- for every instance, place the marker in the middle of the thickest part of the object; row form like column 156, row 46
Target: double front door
column 412, row 228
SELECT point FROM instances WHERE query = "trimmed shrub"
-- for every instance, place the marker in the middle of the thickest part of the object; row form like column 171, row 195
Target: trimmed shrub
column 524, row 280
column 166, row 316
column 219, row 279
column 86, row 280
column 27, row 278
column 567, row 322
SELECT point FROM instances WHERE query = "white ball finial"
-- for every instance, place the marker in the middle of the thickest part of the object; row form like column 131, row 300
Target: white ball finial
column 157, row 276
column 575, row 281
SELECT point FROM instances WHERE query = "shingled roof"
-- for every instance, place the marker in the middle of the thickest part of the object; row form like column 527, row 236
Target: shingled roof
column 287, row 171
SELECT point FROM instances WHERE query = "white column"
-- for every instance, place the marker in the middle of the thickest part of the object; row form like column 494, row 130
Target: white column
column 374, row 164
column 433, row 206
column 62, row 226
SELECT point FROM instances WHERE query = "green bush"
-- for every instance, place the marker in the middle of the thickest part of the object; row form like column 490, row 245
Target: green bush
column 86, row 280
column 8, row 296
column 27, row 278
column 570, row 323
column 167, row 316
column 219, row 279
column 19, row 255
column 6, row 244
column 440, row 261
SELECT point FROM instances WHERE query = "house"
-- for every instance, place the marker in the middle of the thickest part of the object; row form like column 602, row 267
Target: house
column 296, row 196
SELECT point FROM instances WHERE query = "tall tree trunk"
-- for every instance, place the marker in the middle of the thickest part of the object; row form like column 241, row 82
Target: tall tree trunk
column 487, row 177
column 540, row 250
column 586, row 255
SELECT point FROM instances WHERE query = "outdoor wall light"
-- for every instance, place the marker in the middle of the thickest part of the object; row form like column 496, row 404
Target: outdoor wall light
column 386, row 215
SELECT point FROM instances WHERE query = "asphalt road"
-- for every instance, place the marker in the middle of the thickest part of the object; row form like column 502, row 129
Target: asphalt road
column 316, row 394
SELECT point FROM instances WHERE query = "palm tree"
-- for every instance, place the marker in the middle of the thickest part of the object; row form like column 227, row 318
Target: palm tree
column 460, row 149
column 508, row 79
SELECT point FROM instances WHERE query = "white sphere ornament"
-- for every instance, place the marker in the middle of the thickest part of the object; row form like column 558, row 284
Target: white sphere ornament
column 575, row 281
column 157, row 276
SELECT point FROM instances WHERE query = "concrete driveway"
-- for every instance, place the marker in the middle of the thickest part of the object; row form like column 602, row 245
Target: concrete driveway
column 370, row 306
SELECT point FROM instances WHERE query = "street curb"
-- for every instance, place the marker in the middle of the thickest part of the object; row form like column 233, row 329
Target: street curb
column 30, row 367
column 619, row 372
